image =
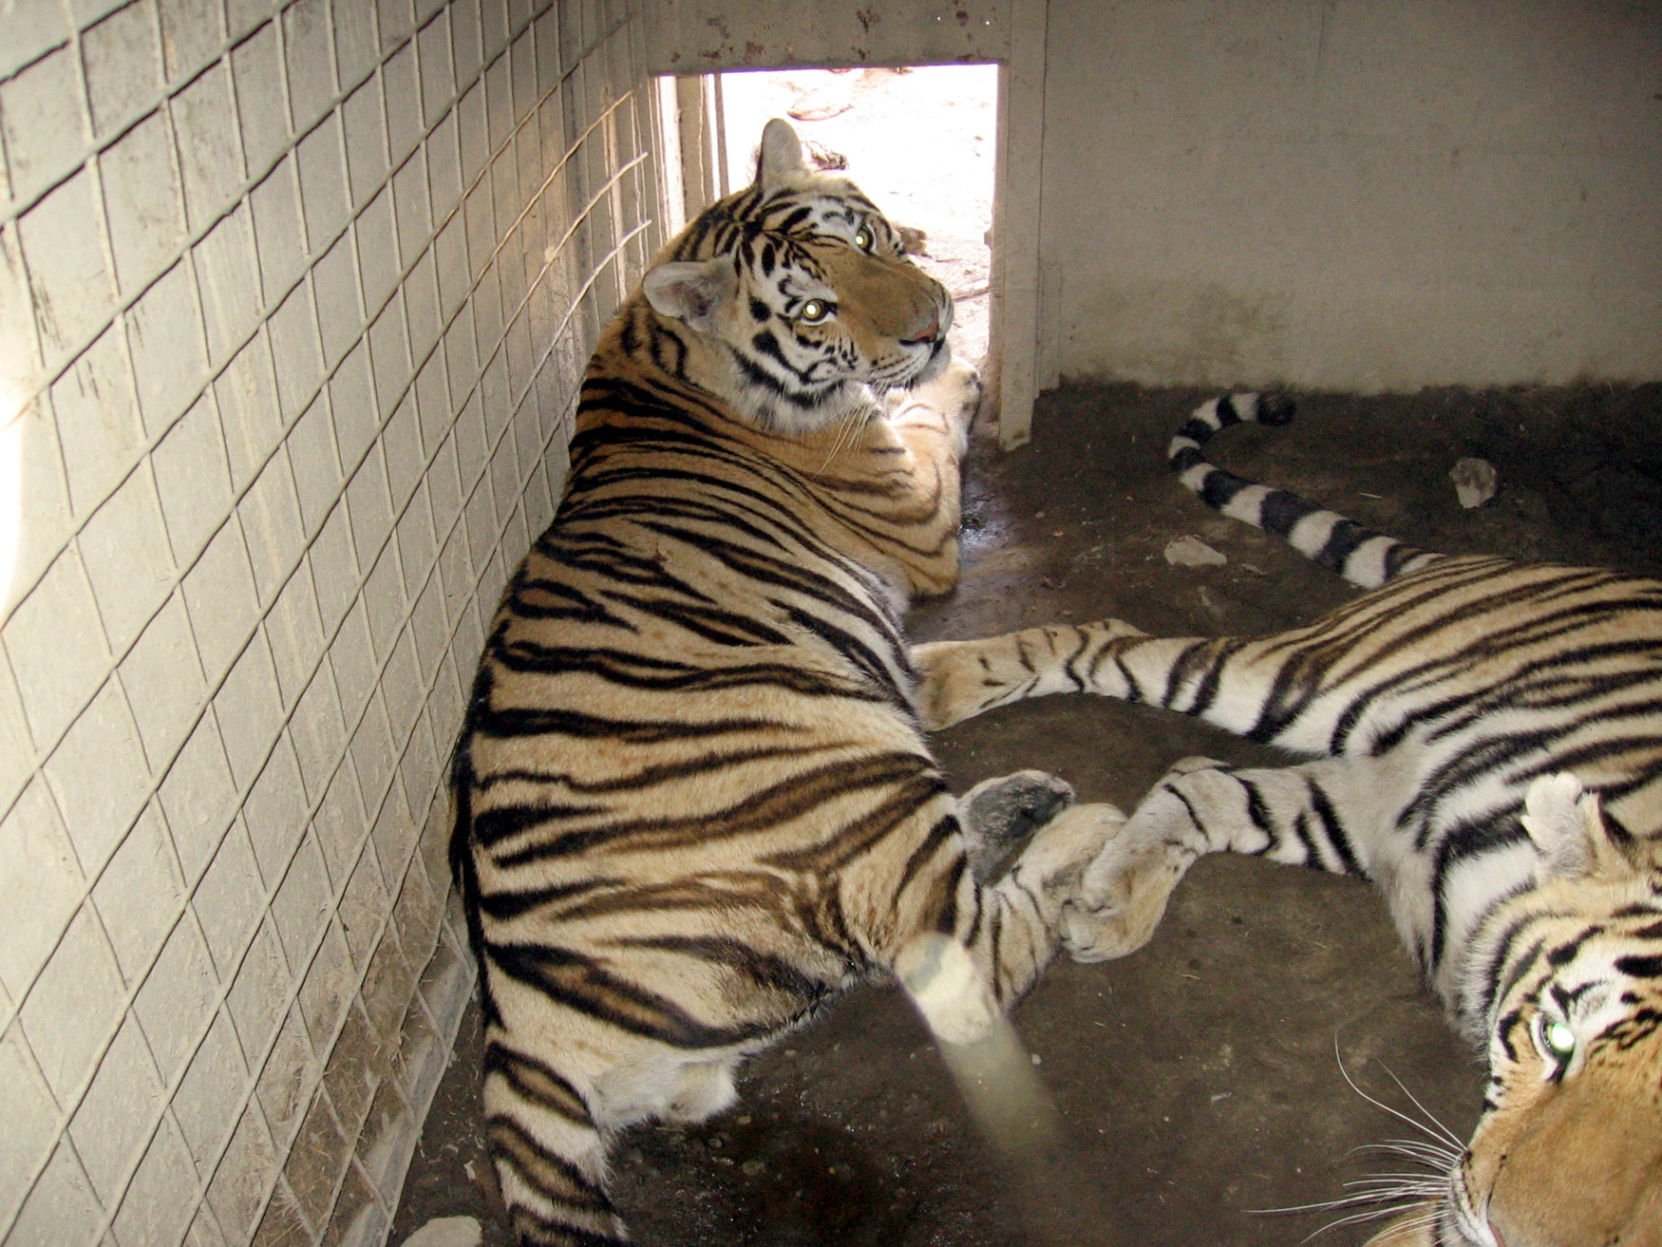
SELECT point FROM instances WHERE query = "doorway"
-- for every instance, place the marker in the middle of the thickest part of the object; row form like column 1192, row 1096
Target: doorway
column 933, row 145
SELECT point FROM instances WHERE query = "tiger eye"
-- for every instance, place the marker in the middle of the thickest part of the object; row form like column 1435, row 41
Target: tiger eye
column 1558, row 1038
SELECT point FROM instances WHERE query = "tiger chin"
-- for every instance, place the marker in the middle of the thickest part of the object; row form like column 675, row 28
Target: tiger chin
column 693, row 799
column 1482, row 739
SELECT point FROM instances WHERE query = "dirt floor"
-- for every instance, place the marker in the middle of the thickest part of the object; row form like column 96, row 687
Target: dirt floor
column 1203, row 1079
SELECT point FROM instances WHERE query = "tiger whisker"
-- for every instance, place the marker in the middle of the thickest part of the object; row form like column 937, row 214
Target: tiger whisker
column 1433, row 1154
column 1379, row 1195
column 1373, row 1214
column 1362, row 1218
column 1386, row 1189
column 842, row 435
column 1431, row 1127
column 1410, row 1225
column 1398, row 1183
column 1441, row 1130
column 1365, row 1199
column 1386, row 1186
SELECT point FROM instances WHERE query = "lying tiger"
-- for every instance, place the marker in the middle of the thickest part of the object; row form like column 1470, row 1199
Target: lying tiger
column 693, row 797
column 1486, row 740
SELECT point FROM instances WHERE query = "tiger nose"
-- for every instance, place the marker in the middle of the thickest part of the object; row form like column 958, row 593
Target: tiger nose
column 929, row 327
column 930, row 331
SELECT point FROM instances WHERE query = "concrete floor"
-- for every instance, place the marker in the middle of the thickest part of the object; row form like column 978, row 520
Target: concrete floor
column 1199, row 1080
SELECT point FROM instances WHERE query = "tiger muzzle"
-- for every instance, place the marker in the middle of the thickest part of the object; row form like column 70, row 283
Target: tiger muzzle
column 1585, row 1169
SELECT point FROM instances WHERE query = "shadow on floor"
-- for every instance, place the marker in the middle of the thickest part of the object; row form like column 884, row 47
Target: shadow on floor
column 1200, row 1079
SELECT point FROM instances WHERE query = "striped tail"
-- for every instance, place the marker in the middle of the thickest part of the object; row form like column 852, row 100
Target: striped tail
column 1358, row 553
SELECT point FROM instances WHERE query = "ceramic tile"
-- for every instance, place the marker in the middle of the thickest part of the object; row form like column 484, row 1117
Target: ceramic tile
column 140, row 896
column 75, row 1005
column 163, row 1193
column 257, row 72
column 42, row 122
column 210, row 154
column 143, row 202
column 259, row 994
column 311, row 69
column 192, row 32
column 41, row 884
column 115, row 1116
column 32, row 1119
column 56, row 646
column 323, row 183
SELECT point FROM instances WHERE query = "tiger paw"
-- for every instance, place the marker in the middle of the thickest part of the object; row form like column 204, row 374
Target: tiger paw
column 954, row 683
column 1123, row 894
column 1000, row 815
column 1053, row 865
column 955, row 393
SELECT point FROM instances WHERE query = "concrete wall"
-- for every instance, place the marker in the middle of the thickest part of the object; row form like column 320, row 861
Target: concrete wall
column 1358, row 194
column 1355, row 194
column 701, row 36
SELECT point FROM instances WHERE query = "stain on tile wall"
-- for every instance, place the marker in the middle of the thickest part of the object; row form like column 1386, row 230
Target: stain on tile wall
column 293, row 305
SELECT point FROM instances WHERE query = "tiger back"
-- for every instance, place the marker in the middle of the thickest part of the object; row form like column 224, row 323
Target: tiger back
column 693, row 800
column 1484, row 743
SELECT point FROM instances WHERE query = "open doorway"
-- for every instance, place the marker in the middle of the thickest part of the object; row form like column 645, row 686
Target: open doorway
column 922, row 141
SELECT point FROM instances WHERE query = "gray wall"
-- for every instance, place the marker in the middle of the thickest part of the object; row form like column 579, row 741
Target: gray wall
column 1357, row 194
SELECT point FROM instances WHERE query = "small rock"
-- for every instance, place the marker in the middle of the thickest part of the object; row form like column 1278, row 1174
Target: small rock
column 447, row 1232
column 823, row 157
column 1474, row 481
column 1193, row 552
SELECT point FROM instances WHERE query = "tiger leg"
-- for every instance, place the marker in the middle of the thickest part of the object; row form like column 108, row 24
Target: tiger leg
column 703, row 1089
column 934, row 418
column 548, row 1152
column 1323, row 814
column 1005, row 933
column 932, row 423
column 961, row 679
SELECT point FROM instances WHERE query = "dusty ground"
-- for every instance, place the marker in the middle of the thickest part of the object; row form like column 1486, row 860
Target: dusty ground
column 1200, row 1079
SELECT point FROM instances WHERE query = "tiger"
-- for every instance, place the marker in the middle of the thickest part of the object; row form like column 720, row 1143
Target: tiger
column 1481, row 739
column 693, row 800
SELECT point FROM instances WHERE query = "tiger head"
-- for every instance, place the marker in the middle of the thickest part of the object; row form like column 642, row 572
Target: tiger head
column 792, row 299
column 1568, row 1149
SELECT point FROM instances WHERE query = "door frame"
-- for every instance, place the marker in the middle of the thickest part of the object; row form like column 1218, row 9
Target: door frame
column 1016, row 369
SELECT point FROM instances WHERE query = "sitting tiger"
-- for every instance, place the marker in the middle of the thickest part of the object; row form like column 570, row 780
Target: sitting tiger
column 1486, row 745
column 693, row 797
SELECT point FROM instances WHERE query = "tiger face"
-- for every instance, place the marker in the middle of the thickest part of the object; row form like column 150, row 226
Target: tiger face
column 794, row 299
column 1568, row 1150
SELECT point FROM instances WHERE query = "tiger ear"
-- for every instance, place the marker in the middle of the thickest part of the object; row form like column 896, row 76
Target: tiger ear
column 692, row 290
column 780, row 156
column 1569, row 831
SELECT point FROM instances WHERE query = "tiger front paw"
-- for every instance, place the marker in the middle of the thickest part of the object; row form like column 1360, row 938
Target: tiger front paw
column 1123, row 894
column 955, row 393
column 957, row 390
column 955, row 683
column 1053, row 865
column 1000, row 815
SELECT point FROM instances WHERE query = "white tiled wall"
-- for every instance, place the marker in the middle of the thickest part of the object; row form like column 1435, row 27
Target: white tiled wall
column 293, row 305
